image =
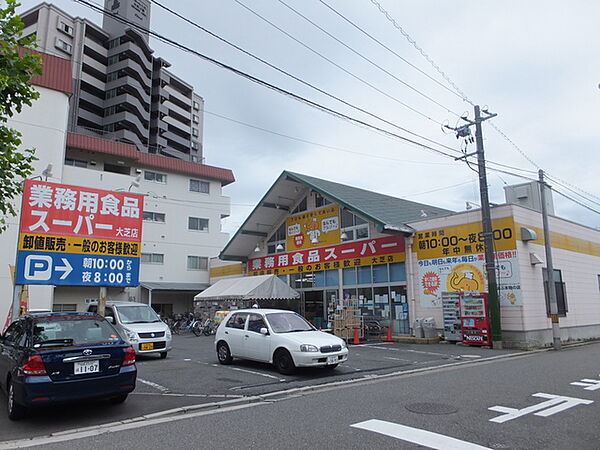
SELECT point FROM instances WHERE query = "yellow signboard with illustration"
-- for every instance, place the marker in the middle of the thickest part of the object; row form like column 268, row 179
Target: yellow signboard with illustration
column 312, row 229
column 452, row 259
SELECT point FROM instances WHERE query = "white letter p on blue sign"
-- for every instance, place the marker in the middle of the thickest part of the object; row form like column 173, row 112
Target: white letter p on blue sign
column 38, row 267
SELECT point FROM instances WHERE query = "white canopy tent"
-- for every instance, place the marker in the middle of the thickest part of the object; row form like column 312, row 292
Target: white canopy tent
column 261, row 287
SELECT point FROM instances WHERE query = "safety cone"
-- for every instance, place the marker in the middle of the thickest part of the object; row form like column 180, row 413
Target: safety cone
column 389, row 337
column 356, row 337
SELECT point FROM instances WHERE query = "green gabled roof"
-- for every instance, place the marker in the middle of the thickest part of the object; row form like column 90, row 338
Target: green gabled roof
column 386, row 211
column 389, row 214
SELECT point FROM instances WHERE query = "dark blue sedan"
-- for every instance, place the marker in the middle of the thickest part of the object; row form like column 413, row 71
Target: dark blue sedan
column 61, row 357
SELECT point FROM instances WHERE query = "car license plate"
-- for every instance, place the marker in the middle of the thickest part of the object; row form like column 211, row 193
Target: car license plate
column 83, row 367
column 148, row 346
column 332, row 360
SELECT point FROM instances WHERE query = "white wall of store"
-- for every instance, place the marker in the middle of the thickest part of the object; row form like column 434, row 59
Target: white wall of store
column 43, row 126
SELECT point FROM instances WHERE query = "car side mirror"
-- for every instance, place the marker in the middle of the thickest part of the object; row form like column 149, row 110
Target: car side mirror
column 264, row 331
column 110, row 319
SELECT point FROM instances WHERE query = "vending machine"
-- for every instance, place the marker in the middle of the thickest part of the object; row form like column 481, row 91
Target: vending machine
column 475, row 319
column 451, row 311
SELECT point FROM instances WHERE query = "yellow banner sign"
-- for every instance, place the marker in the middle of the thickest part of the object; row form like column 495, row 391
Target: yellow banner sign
column 70, row 244
column 224, row 271
column 339, row 264
column 464, row 239
column 312, row 229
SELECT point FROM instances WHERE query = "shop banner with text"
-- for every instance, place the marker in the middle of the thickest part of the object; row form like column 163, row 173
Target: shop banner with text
column 351, row 254
column 78, row 236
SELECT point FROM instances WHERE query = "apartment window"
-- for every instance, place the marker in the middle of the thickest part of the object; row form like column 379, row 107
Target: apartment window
column 195, row 132
column 153, row 258
column 559, row 288
column 194, row 158
column 112, row 76
column 195, row 118
column 114, row 43
column 196, row 106
column 68, row 29
column 156, row 177
column 197, row 224
column 200, row 186
column 110, row 111
column 64, row 307
column 195, row 145
column 157, row 217
column 111, row 93
column 68, row 48
column 112, row 59
column 75, row 162
column 197, row 263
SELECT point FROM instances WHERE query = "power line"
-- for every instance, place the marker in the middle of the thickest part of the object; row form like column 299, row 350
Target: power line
column 421, row 51
column 390, row 50
column 576, row 201
column 278, row 69
column 362, row 80
column 266, row 84
column 368, row 59
column 565, row 184
column 573, row 191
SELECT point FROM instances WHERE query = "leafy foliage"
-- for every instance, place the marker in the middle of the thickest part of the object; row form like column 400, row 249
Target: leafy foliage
column 17, row 66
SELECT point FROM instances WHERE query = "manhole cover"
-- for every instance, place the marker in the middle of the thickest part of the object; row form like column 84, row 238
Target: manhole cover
column 431, row 408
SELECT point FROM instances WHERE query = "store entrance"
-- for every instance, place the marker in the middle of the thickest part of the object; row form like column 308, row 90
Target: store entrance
column 313, row 308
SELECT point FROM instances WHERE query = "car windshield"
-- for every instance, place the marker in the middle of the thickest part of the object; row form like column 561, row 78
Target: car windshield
column 137, row 314
column 65, row 331
column 288, row 323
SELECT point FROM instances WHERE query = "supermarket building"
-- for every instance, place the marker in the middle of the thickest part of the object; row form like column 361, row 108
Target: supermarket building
column 394, row 258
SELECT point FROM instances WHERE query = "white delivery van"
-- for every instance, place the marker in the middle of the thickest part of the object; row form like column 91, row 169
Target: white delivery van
column 139, row 325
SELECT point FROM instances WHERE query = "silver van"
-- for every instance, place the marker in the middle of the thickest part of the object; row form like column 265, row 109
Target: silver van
column 139, row 325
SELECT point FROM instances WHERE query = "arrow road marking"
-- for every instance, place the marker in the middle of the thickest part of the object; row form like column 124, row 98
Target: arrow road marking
column 589, row 385
column 417, row 436
column 67, row 268
column 554, row 404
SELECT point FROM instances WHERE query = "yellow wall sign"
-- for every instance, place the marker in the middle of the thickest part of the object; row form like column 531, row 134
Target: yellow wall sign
column 224, row 271
column 464, row 239
column 312, row 229
column 76, row 244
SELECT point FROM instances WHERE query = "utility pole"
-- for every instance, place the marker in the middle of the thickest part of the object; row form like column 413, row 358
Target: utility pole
column 486, row 220
column 549, row 266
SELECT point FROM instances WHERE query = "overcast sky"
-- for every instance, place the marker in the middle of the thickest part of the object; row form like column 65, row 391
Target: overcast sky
column 533, row 62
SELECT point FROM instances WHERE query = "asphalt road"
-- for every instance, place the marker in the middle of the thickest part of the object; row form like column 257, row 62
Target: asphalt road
column 191, row 375
column 525, row 402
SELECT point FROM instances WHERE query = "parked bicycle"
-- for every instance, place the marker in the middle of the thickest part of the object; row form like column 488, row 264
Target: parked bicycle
column 209, row 327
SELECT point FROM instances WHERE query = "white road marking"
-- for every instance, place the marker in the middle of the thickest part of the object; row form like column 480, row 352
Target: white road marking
column 397, row 359
column 470, row 356
column 154, row 385
column 127, row 424
column 590, row 385
column 250, row 371
column 170, row 394
column 417, row 436
column 187, row 359
column 377, row 346
column 554, row 404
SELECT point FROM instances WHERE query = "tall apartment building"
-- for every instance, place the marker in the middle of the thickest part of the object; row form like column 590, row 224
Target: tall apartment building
column 121, row 90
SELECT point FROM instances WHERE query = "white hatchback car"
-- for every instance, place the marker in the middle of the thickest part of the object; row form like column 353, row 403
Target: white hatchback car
column 283, row 338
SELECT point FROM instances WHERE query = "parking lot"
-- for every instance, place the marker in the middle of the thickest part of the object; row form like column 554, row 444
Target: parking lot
column 192, row 375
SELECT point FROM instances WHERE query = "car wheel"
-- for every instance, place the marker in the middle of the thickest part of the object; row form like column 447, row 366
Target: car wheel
column 119, row 399
column 15, row 411
column 284, row 362
column 330, row 367
column 223, row 353
column 163, row 355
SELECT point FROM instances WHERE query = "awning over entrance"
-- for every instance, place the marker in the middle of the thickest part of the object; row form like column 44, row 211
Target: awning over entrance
column 167, row 286
column 260, row 287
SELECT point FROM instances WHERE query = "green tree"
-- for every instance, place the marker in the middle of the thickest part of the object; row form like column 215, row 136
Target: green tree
column 17, row 66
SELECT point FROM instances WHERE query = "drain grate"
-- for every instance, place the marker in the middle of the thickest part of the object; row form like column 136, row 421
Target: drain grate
column 431, row 408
